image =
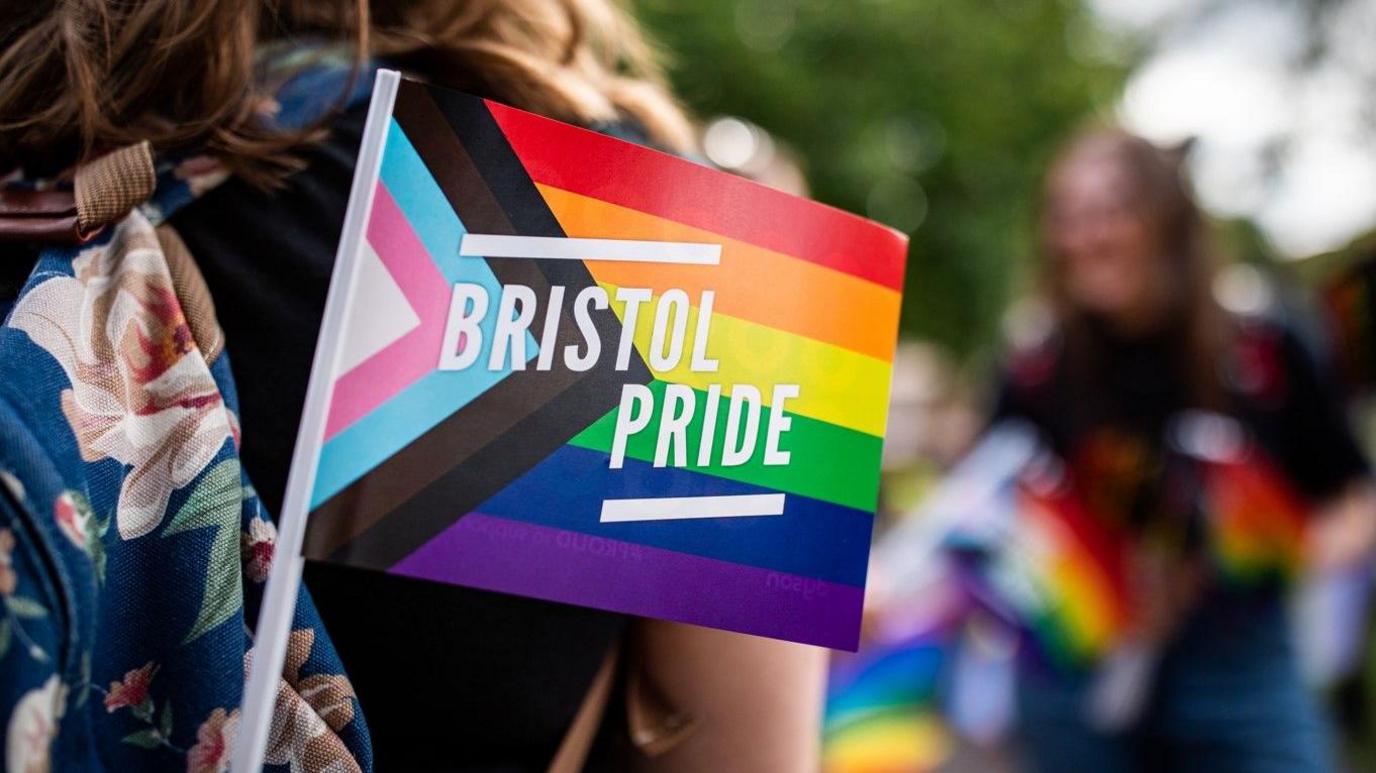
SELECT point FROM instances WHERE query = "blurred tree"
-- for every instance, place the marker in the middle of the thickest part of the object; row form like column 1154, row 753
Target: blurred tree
column 934, row 116
column 1279, row 99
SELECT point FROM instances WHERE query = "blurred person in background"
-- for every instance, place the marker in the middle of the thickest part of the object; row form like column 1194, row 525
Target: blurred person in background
column 1137, row 342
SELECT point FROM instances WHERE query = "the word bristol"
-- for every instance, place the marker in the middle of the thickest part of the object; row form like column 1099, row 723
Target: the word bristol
column 517, row 311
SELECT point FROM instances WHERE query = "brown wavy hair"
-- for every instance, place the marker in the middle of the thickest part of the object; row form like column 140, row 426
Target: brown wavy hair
column 1162, row 198
column 81, row 77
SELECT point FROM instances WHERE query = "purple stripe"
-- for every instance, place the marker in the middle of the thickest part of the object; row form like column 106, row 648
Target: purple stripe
column 499, row 554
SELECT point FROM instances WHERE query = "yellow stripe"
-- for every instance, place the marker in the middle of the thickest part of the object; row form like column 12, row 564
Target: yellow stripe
column 1087, row 618
column 891, row 743
column 836, row 385
column 1079, row 597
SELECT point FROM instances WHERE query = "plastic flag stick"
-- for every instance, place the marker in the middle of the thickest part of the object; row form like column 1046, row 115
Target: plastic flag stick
column 279, row 598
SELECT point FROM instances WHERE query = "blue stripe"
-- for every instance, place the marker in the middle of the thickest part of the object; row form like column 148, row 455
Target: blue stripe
column 396, row 423
column 812, row 538
column 905, row 676
column 428, row 211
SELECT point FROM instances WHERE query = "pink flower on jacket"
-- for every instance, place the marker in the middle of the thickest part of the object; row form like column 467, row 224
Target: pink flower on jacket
column 9, row 579
column 308, row 714
column 214, row 740
column 256, row 547
column 201, row 173
column 73, row 519
column 33, row 726
column 141, row 393
column 132, row 690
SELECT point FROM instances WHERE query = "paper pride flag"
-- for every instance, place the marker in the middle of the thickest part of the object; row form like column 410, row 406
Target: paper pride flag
column 569, row 367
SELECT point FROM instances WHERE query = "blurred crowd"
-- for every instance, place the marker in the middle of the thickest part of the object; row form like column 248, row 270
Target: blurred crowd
column 1145, row 541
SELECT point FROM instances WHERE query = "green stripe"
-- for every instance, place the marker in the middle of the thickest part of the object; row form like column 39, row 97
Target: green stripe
column 830, row 463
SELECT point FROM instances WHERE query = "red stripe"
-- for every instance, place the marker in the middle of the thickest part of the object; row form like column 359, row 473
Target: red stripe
column 1100, row 546
column 1257, row 499
column 660, row 184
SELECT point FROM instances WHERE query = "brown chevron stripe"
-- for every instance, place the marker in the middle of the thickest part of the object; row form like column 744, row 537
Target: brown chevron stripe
column 449, row 444
column 504, row 410
column 461, row 489
column 452, row 442
column 450, row 164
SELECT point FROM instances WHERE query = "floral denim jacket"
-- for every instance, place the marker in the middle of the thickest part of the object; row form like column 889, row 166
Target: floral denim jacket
column 133, row 549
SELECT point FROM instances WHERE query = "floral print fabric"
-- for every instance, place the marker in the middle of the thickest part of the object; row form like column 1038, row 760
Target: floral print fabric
column 140, row 393
column 133, row 549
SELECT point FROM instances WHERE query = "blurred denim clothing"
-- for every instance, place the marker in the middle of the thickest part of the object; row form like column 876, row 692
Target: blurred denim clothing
column 133, row 548
column 1227, row 698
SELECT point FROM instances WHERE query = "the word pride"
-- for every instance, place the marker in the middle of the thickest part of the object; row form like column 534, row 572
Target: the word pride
column 517, row 311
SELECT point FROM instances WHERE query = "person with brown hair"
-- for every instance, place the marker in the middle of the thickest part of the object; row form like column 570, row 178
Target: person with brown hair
column 1141, row 383
column 449, row 678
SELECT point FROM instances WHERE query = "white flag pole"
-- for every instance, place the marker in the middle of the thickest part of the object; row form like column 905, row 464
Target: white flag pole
column 279, row 598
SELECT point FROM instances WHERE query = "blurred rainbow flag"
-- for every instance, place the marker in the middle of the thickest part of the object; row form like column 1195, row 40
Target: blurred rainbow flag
column 1053, row 568
column 1057, row 568
column 1067, row 579
column 1256, row 519
column 881, row 712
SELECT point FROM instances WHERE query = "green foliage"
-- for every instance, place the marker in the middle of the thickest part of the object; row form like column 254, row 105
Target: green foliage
column 934, row 115
column 215, row 504
column 25, row 608
column 146, row 738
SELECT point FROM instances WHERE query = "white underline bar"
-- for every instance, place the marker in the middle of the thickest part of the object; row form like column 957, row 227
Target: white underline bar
column 674, row 508
column 566, row 248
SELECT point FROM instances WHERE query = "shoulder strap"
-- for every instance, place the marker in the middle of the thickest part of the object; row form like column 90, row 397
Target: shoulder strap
column 108, row 188
column 573, row 750
column 105, row 190
column 655, row 724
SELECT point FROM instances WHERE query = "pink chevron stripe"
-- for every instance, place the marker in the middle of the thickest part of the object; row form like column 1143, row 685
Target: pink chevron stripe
column 405, row 360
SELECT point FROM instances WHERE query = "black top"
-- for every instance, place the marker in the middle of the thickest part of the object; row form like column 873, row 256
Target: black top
column 16, row 263
column 449, row 678
column 1112, row 422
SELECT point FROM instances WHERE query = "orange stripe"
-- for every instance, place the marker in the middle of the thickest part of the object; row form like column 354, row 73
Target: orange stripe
column 1092, row 613
column 751, row 283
